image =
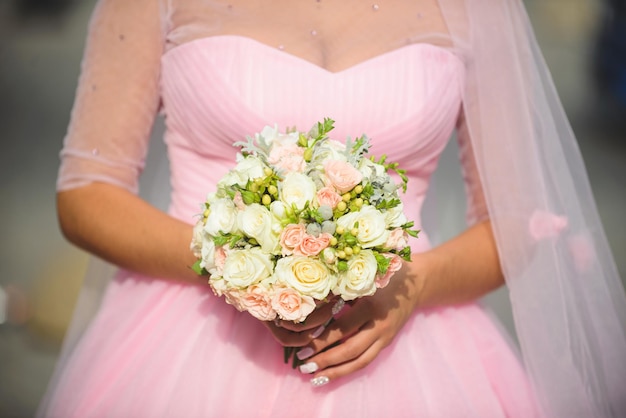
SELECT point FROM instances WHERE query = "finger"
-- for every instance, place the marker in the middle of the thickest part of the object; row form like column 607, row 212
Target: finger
column 349, row 350
column 288, row 338
column 340, row 329
column 331, row 374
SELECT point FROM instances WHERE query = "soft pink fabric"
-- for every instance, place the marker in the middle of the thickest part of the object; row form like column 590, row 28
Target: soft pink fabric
column 163, row 349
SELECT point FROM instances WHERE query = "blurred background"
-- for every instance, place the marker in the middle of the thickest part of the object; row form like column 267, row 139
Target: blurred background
column 41, row 43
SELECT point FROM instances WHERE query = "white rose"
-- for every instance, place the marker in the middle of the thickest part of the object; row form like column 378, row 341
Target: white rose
column 207, row 254
column 308, row 276
column 268, row 133
column 247, row 168
column 197, row 239
column 328, row 150
column 222, row 217
column 395, row 216
column 372, row 230
column 370, row 169
column 257, row 222
column 297, row 189
column 246, row 267
column 360, row 278
column 278, row 209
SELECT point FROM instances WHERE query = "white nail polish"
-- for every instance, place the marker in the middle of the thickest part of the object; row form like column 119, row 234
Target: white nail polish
column 319, row 381
column 318, row 331
column 305, row 353
column 308, row 367
column 338, row 306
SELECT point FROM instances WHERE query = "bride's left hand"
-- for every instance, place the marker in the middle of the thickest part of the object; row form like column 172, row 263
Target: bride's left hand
column 364, row 330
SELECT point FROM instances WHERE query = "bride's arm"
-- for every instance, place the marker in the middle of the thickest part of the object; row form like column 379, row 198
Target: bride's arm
column 116, row 103
column 120, row 227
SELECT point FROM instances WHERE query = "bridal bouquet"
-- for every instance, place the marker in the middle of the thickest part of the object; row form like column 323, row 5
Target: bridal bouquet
column 300, row 219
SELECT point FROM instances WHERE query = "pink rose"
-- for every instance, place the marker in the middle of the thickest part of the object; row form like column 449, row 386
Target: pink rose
column 291, row 305
column 311, row 245
column 289, row 157
column 327, row 196
column 257, row 301
column 398, row 239
column 291, row 237
column 395, row 264
column 342, row 175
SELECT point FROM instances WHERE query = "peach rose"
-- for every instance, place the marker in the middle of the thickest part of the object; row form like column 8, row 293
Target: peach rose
column 311, row 245
column 220, row 260
column 256, row 299
column 291, row 237
column 395, row 264
column 327, row 196
column 397, row 240
column 291, row 305
column 342, row 175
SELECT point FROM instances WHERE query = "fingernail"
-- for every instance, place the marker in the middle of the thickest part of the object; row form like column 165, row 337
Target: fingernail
column 338, row 306
column 319, row 381
column 309, row 367
column 306, row 352
column 318, row 331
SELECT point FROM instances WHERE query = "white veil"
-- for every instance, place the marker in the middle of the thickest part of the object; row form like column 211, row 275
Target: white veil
column 567, row 299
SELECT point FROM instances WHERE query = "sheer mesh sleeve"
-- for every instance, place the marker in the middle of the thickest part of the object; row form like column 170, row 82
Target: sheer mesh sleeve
column 117, row 96
column 476, row 206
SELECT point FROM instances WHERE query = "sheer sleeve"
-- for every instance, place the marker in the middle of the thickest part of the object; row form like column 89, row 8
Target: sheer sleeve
column 117, row 96
column 476, row 206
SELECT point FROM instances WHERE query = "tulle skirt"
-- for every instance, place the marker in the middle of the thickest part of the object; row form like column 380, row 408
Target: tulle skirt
column 163, row 349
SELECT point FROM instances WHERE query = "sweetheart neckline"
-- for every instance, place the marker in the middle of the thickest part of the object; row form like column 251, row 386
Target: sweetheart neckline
column 283, row 54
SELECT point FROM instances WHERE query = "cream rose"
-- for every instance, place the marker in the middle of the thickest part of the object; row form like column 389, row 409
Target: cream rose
column 246, row 267
column 307, row 275
column 256, row 221
column 291, row 305
column 342, row 175
column 222, row 217
column 372, row 228
column 297, row 189
column 359, row 279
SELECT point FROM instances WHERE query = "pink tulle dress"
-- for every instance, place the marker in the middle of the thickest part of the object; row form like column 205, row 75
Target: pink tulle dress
column 161, row 349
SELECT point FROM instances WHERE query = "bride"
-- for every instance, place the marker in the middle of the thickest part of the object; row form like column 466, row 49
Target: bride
column 407, row 73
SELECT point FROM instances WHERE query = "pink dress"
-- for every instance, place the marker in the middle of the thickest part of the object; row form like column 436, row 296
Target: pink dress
column 158, row 349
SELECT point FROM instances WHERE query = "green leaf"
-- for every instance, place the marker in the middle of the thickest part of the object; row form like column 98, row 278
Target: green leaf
column 383, row 263
column 250, row 197
column 200, row 271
